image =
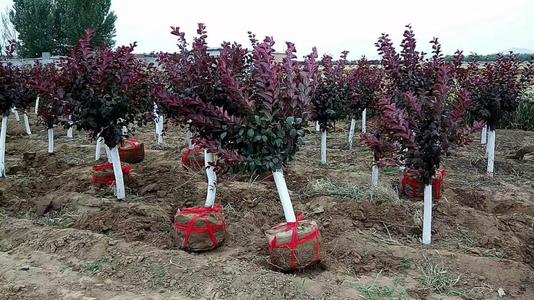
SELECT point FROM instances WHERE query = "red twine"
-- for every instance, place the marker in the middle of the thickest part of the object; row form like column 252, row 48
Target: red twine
column 437, row 184
column 135, row 148
column 295, row 241
column 188, row 158
column 201, row 213
column 108, row 167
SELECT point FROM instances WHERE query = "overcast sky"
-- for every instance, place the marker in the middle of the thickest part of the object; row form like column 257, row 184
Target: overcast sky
column 482, row 26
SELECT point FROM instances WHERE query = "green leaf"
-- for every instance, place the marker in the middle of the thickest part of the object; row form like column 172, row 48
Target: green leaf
column 250, row 132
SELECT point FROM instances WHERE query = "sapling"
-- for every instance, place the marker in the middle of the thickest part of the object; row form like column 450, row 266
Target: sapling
column 330, row 97
column 15, row 91
column 495, row 90
column 422, row 111
column 109, row 90
column 50, row 82
column 256, row 123
column 364, row 89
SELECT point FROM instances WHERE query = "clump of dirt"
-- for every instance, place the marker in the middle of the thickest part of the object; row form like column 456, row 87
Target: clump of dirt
column 134, row 222
column 471, row 198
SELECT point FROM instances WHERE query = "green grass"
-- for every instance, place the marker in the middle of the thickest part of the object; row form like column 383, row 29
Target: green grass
column 157, row 275
column 465, row 239
column 328, row 187
column 343, row 190
column 57, row 218
column 406, row 264
column 436, row 278
column 95, row 267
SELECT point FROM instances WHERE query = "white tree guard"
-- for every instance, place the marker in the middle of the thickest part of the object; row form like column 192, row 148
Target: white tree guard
column 27, row 124
column 317, row 127
column 483, row 135
column 124, row 130
column 427, row 215
column 188, row 139
column 323, row 147
column 351, row 132
column 159, row 127
column 212, row 178
column 3, row 134
column 491, row 153
column 37, row 105
column 98, row 148
column 374, row 175
column 50, row 140
column 120, row 192
column 108, row 152
column 283, row 193
column 16, row 113
column 364, row 121
column 70, row 129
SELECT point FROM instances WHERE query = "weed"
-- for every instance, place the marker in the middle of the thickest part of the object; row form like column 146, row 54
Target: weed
column 437, row 279
column 94, row 267
column 157, row 276
column 61, row 218
column 465, row 239
column 344, row 190
column 399, row 281
column 406, row 264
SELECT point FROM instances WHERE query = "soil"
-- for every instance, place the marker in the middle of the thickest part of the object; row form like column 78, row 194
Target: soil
column 62, row 238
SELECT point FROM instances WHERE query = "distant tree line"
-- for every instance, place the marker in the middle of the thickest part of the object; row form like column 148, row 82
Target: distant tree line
column 56, row 26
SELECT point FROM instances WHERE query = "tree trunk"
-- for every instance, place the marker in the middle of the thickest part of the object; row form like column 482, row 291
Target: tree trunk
column 283, row 193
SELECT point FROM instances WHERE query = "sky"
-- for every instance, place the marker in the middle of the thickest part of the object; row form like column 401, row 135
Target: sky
column 481, row 26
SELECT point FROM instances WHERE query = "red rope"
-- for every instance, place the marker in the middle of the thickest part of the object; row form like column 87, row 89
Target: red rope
column 409, row 179
column 126, row 170
column 133, row 143
column 201, row 213
column 187, row 159
column 295, row 241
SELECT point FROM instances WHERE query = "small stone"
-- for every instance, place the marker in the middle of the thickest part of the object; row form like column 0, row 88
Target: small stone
column 161, row 194
column 112, row 242
column 318, row 210
column 25, row 268
column 501, row 292
column 481, row 278
column 19, row 287
column 140, row 258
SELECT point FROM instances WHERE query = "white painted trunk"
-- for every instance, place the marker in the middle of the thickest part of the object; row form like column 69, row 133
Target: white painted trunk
column 16, row 113
column 212, row 178
column 491, row 152
column 323, row 147
column 98, row 148
column 317, row 127
column 374, row 175
column 159, row 127
column 188, row 138
column 108, row 152
column 283, row 193
column 427, row 215
column 70, row 129
column 364, row 121
column 3, row 134
column 50, row 140
column 37, row 105
column 351, row 132
column 483, row 135
column 120, row 192
column 124, row 130
column 27, row 124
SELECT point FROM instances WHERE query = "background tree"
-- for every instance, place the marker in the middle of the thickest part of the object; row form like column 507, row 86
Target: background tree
column 56, row 26
column 7, row 30
column 34, row 21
